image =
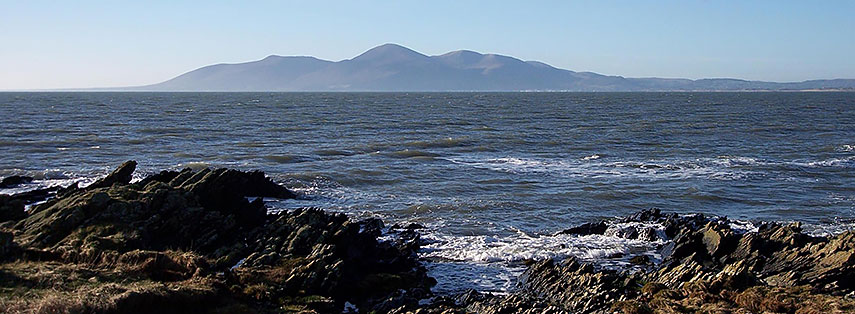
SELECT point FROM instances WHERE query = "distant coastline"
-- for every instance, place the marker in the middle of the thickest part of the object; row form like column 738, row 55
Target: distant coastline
column 394, row 68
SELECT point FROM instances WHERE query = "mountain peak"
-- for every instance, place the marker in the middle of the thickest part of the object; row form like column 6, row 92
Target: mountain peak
column 390, row 53
column 463, row 53
column 392, row 67
column 461, row 58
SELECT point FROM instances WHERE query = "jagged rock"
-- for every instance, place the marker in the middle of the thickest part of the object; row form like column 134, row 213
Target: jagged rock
column 476, row 302
column 12, row 206
column 195, row 226
column 575, row 287
column 122, row 175
column 633, row 231
column 372, row 226
column 253, row 183
column 646, row 215
column 473, row 301
column 205, row 211
column 587, row 229
column 707, row 267
column 13, row 181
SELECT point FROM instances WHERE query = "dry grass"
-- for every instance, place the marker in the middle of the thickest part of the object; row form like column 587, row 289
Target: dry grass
column 55, row 287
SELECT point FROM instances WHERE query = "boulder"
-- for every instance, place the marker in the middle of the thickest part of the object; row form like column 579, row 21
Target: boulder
column 587, row 229
column 13, row 181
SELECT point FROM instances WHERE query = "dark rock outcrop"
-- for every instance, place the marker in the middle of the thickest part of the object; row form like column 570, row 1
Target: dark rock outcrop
column 13, row 181
column 11, row 208
column 587, row 229
column 576, row 287
column 707, row 267
column 197, row 232
column 122, row 175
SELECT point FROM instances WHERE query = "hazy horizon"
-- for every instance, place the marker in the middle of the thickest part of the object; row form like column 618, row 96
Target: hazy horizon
column 92, row 45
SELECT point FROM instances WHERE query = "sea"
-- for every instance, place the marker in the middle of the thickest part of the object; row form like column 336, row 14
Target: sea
column 493, row 177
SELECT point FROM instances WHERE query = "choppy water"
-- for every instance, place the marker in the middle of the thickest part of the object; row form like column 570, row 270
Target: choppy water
column 492, row 175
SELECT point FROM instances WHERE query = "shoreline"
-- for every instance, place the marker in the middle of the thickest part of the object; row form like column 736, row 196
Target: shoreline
column 190, row 239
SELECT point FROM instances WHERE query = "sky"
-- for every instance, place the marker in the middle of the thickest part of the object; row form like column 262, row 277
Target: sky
column 80, row 44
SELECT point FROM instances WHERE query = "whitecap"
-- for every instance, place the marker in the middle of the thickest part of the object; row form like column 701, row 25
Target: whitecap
column 833, row 162
column 594, row 168
column 592, row 157
column 742, row 226
column 463, row 260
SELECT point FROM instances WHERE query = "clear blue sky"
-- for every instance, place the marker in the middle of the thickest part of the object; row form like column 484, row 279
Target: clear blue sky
column 47, row 44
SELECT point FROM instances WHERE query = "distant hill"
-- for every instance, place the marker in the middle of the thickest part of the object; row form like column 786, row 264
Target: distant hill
column 392, row 67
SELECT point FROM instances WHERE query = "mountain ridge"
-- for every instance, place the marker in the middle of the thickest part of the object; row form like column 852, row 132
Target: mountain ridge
column 392, row 67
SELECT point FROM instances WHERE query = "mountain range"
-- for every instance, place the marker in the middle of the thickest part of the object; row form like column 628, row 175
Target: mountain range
column 392, row 67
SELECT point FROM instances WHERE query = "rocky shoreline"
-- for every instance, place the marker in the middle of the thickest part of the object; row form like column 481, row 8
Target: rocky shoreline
column 203, row 241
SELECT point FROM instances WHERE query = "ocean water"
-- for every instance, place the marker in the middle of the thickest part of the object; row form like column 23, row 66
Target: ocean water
column 493, row 176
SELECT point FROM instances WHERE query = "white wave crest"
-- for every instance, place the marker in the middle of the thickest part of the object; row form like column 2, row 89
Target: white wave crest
column 724, row 168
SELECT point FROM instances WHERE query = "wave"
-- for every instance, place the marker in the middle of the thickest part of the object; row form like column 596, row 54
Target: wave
column 504, row 256
column 599, row 168
column 47, row 143
column 285, row 159
column 316, row 189
column 440, row 143
column 484, row 128
column 139, row 141
column 296, row 128
column 519, row 249
column 406, row 153
column 592, row 157
column 333, row 152
column 848, row 162
column 252, row 144
column 735, row 161
column 723, row 168
column 829, row 229
column 165, row 130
